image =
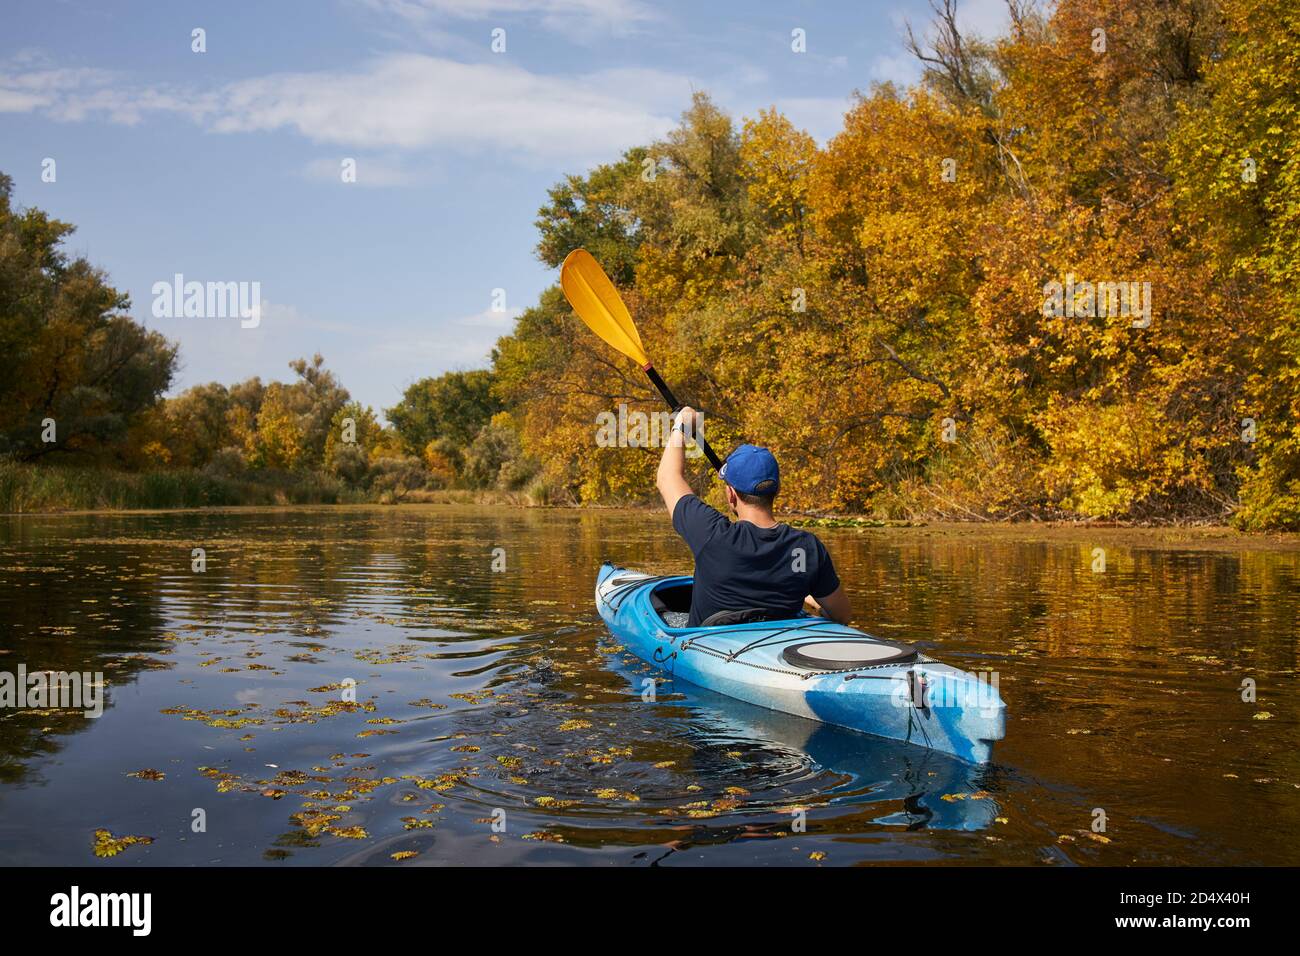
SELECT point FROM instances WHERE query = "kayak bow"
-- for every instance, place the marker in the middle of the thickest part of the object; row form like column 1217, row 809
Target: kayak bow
column 807, row 666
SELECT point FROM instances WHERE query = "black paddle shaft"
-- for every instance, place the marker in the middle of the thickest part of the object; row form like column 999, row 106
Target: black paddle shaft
column 671, row 399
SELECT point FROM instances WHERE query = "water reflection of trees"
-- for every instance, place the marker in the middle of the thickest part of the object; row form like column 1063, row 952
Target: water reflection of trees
column 73, row 608
column 1143, row 657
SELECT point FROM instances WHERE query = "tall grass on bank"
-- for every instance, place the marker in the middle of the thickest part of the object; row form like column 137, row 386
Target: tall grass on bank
column 41, row 488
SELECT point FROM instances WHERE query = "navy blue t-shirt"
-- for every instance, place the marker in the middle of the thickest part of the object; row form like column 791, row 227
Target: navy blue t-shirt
column 739, row 565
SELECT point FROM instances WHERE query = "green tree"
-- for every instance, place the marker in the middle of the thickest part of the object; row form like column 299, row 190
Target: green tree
column 71, row 353
column 496, row 457
column 198, row 424
column 591, row 212
column 449, row 409
column 316, row 398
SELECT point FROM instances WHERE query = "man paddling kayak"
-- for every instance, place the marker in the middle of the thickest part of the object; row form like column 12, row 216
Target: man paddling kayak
column 754, row 568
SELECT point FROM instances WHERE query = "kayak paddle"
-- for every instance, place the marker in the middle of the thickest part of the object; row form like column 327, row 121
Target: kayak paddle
column 600, row 306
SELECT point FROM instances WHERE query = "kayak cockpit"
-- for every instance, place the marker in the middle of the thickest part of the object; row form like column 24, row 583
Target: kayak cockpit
column 672, row 602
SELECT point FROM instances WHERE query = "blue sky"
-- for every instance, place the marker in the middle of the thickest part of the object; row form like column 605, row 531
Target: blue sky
column 224, row 165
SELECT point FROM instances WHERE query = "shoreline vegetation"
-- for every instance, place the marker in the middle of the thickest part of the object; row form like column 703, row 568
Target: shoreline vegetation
column 1086, row 533
column 28, row 491
column 1056, row 280
column 36, row 489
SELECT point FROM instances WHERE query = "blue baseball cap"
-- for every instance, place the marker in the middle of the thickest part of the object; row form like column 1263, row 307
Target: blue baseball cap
column 752, row 470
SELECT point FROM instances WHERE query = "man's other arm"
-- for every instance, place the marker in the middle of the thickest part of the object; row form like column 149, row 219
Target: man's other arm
column 834, row 606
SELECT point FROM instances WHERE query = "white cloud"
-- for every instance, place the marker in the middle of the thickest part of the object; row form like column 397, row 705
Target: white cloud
column 71, row 95
column 901, row 69
column 400, row 102
column 411, row 101
column 18, row 101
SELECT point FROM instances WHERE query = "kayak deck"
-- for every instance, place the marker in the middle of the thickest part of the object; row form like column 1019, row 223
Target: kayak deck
column 807, row 666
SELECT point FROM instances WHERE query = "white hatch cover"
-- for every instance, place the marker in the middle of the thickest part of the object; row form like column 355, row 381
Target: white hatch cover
column 839, row 655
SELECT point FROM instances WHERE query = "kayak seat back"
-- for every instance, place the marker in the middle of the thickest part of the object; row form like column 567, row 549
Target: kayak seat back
column 675, row 600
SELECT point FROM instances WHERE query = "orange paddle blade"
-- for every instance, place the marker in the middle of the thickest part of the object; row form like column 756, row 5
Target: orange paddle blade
column 599, row 305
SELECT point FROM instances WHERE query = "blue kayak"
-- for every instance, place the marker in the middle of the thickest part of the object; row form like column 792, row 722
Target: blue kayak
column 807, row 666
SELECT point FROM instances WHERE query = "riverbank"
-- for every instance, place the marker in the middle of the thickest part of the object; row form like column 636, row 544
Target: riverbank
column 1197, row 537
column 39, row 489
column 33, row 489
column 26, row 488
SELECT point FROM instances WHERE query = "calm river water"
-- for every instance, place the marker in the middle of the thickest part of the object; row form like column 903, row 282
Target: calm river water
column 496, row 696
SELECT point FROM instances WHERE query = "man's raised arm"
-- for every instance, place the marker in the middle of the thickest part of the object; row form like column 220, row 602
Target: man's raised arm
column 671, row 478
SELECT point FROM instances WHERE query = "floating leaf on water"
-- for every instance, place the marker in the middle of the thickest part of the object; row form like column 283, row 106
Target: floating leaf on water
column 349, row 833
column 313, row 823
column 471, row 698
column 403, row 855
column 553, row 802
column 107, row 845
column 148, row 774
